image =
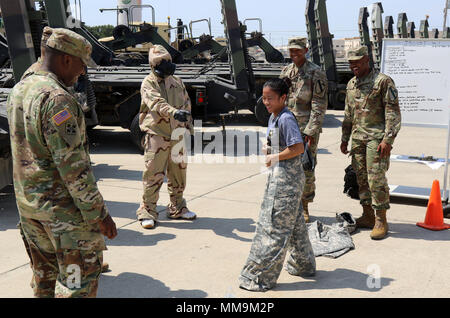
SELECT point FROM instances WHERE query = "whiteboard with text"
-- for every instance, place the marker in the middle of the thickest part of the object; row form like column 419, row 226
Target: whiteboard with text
column 420, row 69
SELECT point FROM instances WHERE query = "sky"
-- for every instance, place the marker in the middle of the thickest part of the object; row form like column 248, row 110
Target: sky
column 281, row 19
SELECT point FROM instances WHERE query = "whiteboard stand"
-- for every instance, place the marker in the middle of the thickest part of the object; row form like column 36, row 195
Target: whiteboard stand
column 445, row 196
column 424, row 193
column 414, row 192
column 403, row 60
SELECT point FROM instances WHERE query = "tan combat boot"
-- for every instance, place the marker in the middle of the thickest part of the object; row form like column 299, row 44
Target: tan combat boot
column 367, row 220
column 305, row 211
column 381, row 227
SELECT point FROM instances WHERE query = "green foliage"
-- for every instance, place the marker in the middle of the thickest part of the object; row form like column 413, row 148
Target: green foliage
column 101, row 31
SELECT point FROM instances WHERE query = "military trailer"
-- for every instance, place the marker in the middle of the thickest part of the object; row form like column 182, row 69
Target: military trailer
column 216, row 88
column 5, row 149
column 113, row 90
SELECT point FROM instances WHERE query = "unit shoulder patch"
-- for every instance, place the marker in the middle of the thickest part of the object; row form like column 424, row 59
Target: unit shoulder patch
column 393, row 93
column 320, row 88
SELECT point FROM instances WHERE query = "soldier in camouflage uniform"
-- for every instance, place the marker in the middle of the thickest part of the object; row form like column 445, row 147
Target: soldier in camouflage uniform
column 281, row 226
column 62, row 213
column 308, row 101
column 373, row 119
column 81, row 98
column 165, row 117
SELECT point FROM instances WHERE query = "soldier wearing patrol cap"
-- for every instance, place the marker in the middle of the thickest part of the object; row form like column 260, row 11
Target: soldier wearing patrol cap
column 164, row 116
column 308, row 101
column 372, row 118
column 62, row 213
column 35, row 67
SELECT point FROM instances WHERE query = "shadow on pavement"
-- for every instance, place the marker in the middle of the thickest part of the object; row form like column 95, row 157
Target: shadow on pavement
column 9, row 215
column 323, row 151
column 122, row 209
column 128, row 210
column 133, row 285
column 105, row 171
column 222, row 227
column 332, row 121
column 412, row 231
column 134, row 238
column 340, row 278
column 107, row 141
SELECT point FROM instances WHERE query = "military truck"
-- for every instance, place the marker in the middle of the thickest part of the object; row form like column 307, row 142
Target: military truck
column 5, row 149
column 113, row 91
column 217, row 88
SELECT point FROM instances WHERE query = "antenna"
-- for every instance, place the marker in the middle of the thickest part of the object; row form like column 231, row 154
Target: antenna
column 447, row 6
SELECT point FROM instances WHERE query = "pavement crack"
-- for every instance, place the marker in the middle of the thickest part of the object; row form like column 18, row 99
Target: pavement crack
column 120, row 187
column 13, row 269
column 224, row 186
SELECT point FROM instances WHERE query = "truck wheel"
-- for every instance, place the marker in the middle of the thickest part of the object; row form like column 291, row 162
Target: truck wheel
column 261, row 113
column 137, row 136
column 120, row 31
column 337, row 99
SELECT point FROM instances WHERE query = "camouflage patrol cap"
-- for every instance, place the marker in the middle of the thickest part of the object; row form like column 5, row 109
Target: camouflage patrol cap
column 71, row 43
column 358, row 53
column 46, row 32
column 158, row 53
column 298, row 43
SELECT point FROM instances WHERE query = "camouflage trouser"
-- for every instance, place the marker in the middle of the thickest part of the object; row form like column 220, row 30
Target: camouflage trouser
column 280, row 228
column 371, row 171
column 309, row 191
column 159, row 159
column 65, row 264
column 22, row 235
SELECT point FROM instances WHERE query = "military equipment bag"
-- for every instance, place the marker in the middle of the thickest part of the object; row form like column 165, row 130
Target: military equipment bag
column 351, row 187
column 308, row 159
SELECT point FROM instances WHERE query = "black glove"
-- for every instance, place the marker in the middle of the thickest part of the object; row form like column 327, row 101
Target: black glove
column 182, row 115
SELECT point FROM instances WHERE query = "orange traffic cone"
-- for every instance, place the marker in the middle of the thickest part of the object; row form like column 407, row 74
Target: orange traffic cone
column 434, row 219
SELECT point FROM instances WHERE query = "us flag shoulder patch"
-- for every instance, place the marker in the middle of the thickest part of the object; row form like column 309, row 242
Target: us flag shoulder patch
column 61, row 117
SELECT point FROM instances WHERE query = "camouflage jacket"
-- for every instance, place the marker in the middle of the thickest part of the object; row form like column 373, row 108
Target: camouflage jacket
column 371, row 109
column 53, row 178
column 308, row 96
column 160, row 99
column 35, row 67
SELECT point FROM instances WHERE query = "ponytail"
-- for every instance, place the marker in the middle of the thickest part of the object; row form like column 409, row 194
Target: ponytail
column 279, row 85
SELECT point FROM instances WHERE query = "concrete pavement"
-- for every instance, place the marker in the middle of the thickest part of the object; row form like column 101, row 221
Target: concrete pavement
column 204, row 258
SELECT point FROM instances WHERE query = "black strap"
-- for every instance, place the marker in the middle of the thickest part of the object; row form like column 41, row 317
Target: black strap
column 269, row 141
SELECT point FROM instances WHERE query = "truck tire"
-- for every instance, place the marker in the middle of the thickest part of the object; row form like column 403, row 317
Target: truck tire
column 261, row 113
column 337, row 99
column 6, row 171
column 137, row 136
column 120, row 31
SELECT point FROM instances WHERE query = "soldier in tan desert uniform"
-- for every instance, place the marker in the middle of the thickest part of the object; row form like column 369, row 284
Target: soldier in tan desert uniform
column 164, row 117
